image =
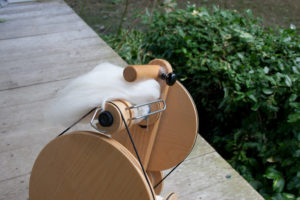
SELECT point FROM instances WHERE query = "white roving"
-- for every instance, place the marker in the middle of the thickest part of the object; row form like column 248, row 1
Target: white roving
column 105, row 82
column 159, row 197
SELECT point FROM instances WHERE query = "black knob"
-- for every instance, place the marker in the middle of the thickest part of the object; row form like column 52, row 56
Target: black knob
column 105, row 119
column 171, row 79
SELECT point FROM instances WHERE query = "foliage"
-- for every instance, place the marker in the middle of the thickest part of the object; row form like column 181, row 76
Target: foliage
column 245, row 81
column 129, row 46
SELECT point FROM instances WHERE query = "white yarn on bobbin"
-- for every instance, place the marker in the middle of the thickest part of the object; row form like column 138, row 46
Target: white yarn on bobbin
column 105, row 82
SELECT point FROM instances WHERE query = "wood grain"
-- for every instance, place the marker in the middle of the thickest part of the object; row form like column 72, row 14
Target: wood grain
column 40, row 26
column 28, row 7
column 86, row 165
column 205, row 177
column 138, row 72
column 177, row 130
column 155, row 177
column 59, row 9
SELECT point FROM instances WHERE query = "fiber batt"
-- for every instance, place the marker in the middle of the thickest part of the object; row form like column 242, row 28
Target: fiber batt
column 105, row 82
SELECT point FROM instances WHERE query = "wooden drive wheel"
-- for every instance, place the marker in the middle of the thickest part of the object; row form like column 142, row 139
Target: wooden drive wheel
column 87, row 166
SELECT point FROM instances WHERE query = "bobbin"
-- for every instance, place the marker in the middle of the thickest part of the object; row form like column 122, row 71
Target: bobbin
column 108, row 120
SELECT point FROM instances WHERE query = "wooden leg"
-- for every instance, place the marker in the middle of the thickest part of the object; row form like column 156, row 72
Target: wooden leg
column 171, row 196
column 155, row 177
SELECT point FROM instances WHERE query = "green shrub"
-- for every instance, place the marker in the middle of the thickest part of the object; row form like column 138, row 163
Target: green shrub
column 129, row 46
column 245, row 81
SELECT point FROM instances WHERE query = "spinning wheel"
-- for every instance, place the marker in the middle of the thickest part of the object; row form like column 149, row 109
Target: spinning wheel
column 124, row 159
column 86, row 165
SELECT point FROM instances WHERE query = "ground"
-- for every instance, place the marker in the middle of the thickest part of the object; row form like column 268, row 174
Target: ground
column 104, row 16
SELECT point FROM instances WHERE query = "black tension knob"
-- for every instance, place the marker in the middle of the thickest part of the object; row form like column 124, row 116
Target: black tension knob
column 170, row 78
column 105, row 119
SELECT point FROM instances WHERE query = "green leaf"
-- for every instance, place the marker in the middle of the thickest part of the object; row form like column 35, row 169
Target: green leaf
column 147, row 12
column 272, row 173
column 295, row 105
column 266, row 70
column 249, row 12
column 2, row 20
column 288, row 196
column 294, row 117
column 296, row 69
column 252, row 97
column 255, row 107
column 288, row 81
column 293, row 97
column 267, row 91
column 278, row 184
column 241, row 56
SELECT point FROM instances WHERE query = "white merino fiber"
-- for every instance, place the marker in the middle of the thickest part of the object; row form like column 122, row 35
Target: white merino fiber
column 159, row 197
column 105, row 82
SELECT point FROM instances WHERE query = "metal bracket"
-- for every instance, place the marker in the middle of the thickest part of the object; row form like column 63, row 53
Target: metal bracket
column 148, row 104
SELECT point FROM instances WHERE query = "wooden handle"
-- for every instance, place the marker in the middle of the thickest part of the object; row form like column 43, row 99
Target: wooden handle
column 135, row 72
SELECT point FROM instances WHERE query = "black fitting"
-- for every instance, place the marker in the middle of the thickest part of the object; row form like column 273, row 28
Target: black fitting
column 170, row 78
column 106, row 119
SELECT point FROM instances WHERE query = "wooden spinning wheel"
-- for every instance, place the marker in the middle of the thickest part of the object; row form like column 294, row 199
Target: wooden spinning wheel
column 88, row 165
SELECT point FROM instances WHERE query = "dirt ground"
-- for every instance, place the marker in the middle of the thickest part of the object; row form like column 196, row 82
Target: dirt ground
column 104, row 16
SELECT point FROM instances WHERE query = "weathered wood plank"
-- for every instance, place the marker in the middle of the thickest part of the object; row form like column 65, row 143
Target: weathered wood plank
column 52, row 68
column 15, row 189
column 18, row 48
column 28, row 6
column 46, row 29
column 30, row 64
column 199, row 173
column 50, row 11
column 19, row 1
column 21, row 139
column 233, row 188
column 30, row 94
column 40, row 25
column 52, row 59
column 41, row 92
column 200, row 148
column 18, row 162
column 3, row 3
column 62, row 47
column 78, row 52
column 192, row 179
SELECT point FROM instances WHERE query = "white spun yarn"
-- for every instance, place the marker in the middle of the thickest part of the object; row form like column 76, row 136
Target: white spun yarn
column 105, row 82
